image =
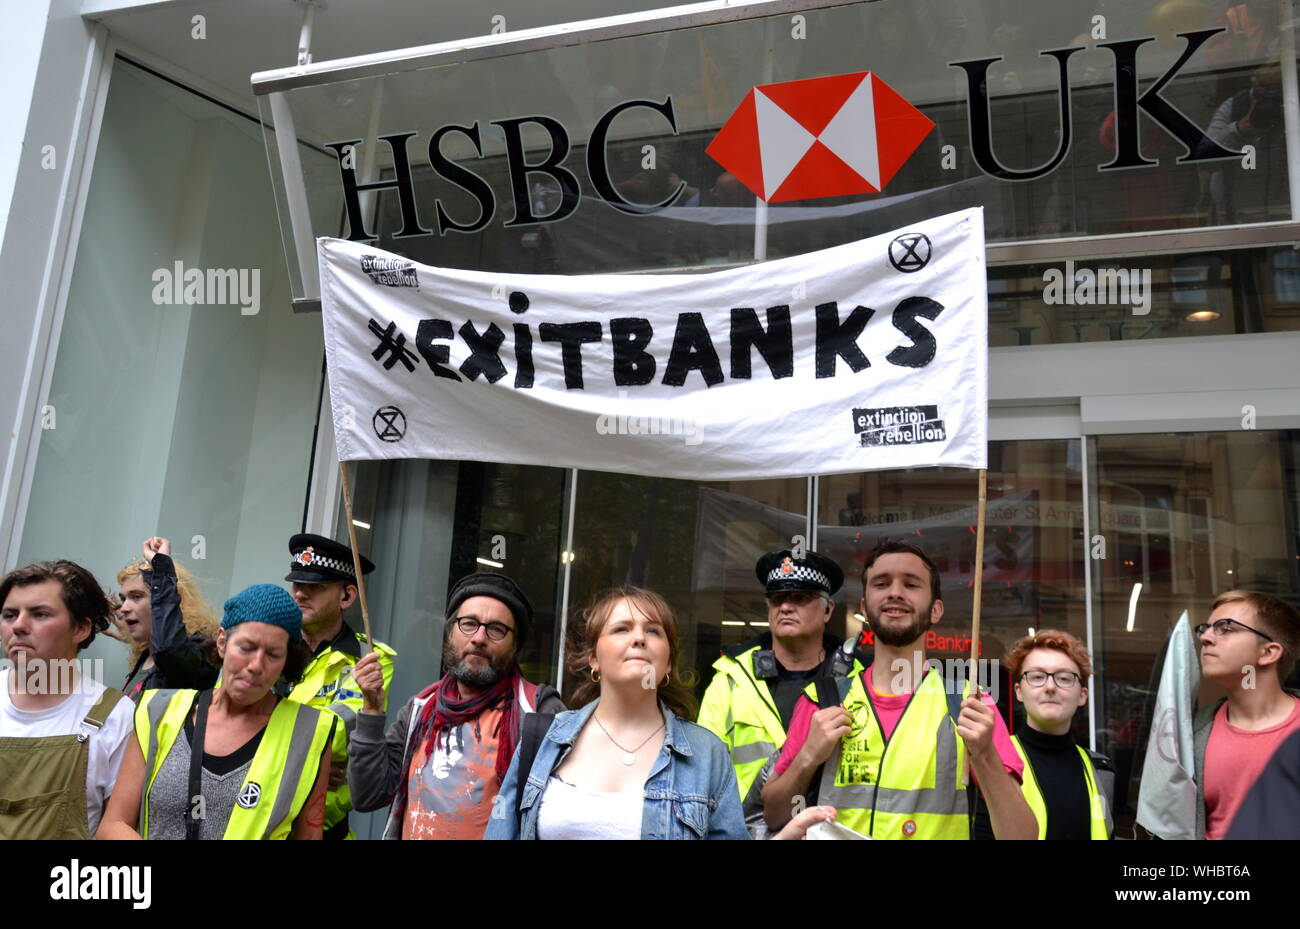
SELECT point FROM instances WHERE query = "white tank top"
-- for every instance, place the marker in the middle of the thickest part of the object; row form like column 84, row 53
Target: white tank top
column 569, row 812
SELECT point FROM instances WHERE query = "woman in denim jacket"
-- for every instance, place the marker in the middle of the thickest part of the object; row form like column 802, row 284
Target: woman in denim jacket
column 627, row 764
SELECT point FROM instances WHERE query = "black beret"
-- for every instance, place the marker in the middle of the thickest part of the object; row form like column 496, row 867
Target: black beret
column 814, row 572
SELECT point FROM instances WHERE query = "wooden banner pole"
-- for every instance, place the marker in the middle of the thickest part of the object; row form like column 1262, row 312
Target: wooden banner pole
column 979, row 576
column 978, row 597
column 356, row 553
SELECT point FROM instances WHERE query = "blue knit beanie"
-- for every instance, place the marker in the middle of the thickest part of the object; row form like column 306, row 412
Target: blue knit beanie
column 264, row 603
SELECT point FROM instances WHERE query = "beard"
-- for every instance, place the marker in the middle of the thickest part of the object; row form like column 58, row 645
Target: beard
column 477, row 675
column 900, row 637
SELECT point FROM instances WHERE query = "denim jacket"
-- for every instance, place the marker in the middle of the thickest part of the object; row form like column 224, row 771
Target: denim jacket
column 691, row 791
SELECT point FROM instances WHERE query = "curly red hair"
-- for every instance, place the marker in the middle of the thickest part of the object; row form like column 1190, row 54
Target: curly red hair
column 1057, row 640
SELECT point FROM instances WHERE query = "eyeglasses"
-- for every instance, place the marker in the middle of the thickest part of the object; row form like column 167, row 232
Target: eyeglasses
column 1224, row 627
column 468, row 625
column 797, row 597
column 1064, row 679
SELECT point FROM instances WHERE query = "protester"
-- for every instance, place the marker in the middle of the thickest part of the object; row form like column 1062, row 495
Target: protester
column 642, row 771
column 752, row 696
column 174, row 650
column 324, row 578
column 1249, row 646
column 237, row 762
column 62, row 733
column 442, row 761
column 915, row 789
column 1069, row 789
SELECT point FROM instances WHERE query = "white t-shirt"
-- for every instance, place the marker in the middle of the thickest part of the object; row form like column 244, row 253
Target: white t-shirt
column 570, row 812
column 107, row 746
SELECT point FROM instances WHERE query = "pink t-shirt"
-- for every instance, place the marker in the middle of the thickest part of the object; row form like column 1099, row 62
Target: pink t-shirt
column 889, row 709
column 1234, row 758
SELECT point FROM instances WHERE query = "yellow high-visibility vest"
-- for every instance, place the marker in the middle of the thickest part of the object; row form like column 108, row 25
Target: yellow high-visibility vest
column 327, row 684
column 280, row 779
column 1098, row 811
column 909, row 787
column 739, row 709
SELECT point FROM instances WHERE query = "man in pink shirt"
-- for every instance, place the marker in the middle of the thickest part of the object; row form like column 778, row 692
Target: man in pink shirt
column 891, row 754
column 1249, row 646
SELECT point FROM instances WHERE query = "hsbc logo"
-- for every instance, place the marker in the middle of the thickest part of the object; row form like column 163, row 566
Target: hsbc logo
column 819, row 137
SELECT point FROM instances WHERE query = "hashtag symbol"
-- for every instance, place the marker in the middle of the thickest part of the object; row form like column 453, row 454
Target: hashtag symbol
column 393, row 343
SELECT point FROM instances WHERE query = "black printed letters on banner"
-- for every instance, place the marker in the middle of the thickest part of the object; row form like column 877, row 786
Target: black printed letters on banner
column 485, row 359
column 836, row 338
column 633, row 365
column 692, row 350
column 435, row 355
column 921, row 352
column 571, row 336
column 776, row 345
column 632, row 338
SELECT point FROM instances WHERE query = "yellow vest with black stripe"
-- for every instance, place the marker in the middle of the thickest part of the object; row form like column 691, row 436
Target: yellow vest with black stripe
column 1098, row 814
column 909, row 787
column 283, row 772
column 327, row 684
column 739, row 709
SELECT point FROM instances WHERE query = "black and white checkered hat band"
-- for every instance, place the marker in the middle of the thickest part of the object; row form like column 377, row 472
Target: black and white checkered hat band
column 324, row 561
column 800, row 573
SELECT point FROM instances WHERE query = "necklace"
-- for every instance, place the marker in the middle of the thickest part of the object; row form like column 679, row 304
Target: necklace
column 629, row 757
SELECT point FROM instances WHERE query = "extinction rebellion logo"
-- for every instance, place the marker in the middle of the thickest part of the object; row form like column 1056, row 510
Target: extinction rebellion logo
column 898, row 425
column 390, row 272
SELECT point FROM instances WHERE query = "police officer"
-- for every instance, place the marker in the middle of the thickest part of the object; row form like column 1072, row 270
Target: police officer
column 324, row 585
column 751, row 699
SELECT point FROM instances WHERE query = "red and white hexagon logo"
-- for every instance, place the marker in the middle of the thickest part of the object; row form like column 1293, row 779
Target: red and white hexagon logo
column 819, row 137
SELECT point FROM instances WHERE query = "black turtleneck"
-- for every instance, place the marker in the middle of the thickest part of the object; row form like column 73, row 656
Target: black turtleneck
column 1058, row 769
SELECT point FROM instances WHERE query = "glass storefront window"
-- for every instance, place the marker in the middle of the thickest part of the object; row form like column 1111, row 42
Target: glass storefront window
column 177, row 408
column 1185, row 517
column 1145, row 297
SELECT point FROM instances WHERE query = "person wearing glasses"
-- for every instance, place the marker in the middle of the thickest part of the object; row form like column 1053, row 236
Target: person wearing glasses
column 442, row 761
column 751, row 699
column 1069, row 788
column 1249, row 646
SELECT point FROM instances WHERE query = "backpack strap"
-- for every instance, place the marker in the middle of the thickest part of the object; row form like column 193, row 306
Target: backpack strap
column 832, row 691
column 532, row 731
column 954, row 706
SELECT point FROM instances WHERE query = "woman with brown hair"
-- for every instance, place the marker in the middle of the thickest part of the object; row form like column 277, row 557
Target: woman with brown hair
column 170, row 627
column 626, row 764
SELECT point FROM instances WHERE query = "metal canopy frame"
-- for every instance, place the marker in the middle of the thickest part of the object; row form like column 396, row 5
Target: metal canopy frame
column 480, row 48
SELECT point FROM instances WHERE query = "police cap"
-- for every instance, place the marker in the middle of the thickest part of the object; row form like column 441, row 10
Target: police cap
column 318, row 560
column 814, row 572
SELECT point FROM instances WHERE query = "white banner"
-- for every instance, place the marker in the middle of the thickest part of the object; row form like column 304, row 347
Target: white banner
column 864, row 356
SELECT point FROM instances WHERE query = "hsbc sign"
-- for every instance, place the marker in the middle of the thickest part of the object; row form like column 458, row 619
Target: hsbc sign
column 831, row 136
